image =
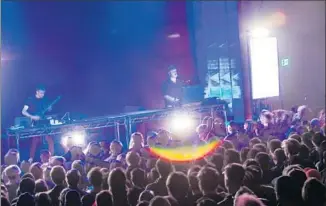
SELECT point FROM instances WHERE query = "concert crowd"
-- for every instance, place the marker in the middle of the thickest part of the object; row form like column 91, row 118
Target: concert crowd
column 278, row 160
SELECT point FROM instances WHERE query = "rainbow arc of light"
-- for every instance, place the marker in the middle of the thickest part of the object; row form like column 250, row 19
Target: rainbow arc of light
column 185, row 153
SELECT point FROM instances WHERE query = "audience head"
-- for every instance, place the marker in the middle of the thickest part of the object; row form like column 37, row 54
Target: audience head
column 104, row 198
column 233, row 177
column 194, row 182
column 177, row 185
column 42, row 199
column 252, row 153
column 201, row 131
column 217, row 160
column 244, row 153
column 206, row 202
column 220, row 150
column 136, row 141
column 36, row 170
column 12, row 172
column 93, row 149
column 315, row 125
column 298, row 176
column 12, row 157
column 287, row 191
column 25, row 199
column 317, row 139
column 313, row 173
column 279, row 156
column 304, row 152
column 153, row 175
column 78, row 165
column 264, row 160
column 76, row 153
column 28, row 175
column 253, row 176
column 27, row 185
column 227, row 145
column 164, row 168
column 146, row 195
column 57, row 161
column 115, row 147
column 45, row 156
column 289, row 168
column 250, row 162
column 133, row 159
column 143, row 203
column 254, row 141
column 296, row 137
column 117, row 180
column 24, row 166
column 87, row 200
column 291, row 147
column 138, row 177
column 261, row 147
column 307, row 139
column 105, row 173
column 163, row 138
column 95, row 177
column 303, row 112
column 58, row 175
column 73, row 177
column 159, row 201
column 194, row 169
column 151, row 139
column 243, row 190
column 248, row 200
column 40, row 186
column 313, row 192
column 231, row 156
column 273, row 145
column 232, row 127
column 208, row 180
column 73, row 198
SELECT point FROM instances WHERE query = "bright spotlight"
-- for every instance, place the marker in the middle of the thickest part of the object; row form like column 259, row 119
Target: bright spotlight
column 174, row 36
column 182, row 123
column 75, row 138
column 259, row 32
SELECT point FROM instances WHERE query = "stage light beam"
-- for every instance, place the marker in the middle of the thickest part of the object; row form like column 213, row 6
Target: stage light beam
column 182, row 123
column 259, row 33
column 75, row 138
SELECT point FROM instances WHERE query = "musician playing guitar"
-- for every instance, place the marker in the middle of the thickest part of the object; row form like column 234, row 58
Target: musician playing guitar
column 34, row 108
column 172, row 89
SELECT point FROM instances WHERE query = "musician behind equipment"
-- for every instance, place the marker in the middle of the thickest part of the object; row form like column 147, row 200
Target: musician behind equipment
column 172, row 88
column 36, row 104
column 32, row 109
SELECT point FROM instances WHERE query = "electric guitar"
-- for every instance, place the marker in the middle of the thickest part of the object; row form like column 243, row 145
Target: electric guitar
column 41, row 114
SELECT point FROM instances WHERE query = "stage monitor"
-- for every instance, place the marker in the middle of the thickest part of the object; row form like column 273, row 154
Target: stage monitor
column 264, row 67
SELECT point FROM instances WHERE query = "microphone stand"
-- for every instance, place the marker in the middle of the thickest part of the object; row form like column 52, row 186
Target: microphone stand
column 66, row 116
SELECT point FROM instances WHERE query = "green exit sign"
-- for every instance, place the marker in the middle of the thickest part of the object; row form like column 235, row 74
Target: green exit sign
column 285, row 62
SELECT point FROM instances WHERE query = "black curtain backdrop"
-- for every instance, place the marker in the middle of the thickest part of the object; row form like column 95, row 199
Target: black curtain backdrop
column 192, row 26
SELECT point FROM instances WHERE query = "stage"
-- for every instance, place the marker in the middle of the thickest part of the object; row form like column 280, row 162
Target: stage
column 125, row 121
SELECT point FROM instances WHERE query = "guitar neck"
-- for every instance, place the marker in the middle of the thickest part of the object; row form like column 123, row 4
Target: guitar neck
column 50, row 105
